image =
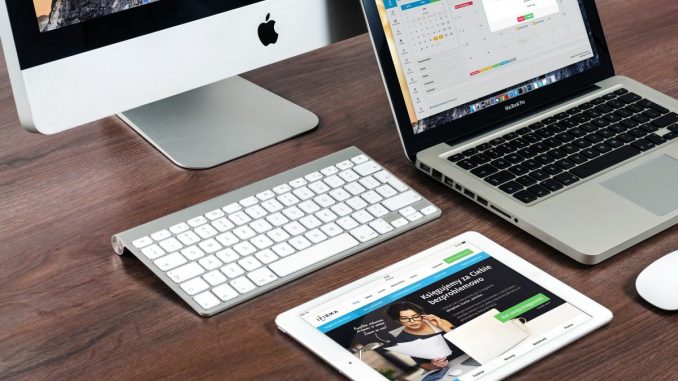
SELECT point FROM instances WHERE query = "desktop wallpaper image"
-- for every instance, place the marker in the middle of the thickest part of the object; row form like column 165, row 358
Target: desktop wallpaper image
column 54, row 14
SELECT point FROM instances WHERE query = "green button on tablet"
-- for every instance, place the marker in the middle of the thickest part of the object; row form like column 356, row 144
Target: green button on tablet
column 522, row 307
column 458, row 256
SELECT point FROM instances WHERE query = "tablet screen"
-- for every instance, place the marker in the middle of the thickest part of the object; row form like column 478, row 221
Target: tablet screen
column 456, row 314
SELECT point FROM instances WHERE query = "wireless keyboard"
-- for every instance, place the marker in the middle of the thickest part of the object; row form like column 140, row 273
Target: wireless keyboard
column 234, row 247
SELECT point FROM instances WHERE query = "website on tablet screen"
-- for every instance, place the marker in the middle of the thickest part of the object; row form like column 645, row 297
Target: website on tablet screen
column 457, row 314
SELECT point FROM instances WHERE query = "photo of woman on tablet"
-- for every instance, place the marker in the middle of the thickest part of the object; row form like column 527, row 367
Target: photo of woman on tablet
column 419, row 325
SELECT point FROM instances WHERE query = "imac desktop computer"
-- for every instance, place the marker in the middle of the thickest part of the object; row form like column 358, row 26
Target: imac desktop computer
column 169, row 68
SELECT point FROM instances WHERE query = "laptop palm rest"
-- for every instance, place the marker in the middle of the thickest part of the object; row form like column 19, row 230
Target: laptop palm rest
column 652, row 185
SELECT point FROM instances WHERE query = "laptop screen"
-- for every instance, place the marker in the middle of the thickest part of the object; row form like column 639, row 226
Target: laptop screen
column 454, row 58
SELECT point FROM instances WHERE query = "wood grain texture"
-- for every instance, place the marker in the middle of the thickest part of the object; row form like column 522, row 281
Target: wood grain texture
column 71, row 309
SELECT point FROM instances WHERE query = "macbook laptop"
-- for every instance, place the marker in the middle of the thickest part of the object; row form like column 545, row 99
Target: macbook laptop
column 515, row 104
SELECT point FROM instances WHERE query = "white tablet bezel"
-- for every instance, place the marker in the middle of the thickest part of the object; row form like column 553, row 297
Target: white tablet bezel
column 346, row 363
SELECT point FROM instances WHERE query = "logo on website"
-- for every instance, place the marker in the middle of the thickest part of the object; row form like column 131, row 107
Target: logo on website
column 514, row 105
column 323, row 317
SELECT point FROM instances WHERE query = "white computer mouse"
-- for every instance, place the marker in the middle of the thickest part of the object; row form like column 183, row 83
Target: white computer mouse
column 658, row 283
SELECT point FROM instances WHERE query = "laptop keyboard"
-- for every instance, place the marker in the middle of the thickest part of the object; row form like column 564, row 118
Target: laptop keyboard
column 548, row 156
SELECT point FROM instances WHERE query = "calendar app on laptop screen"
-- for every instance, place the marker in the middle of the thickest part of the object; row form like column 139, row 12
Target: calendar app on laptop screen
column 457, row 57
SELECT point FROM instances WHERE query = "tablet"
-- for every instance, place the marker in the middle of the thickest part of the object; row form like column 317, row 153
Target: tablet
column 466, row 309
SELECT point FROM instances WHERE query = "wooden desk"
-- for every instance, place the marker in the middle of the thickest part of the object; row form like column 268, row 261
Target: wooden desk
column 71, row 309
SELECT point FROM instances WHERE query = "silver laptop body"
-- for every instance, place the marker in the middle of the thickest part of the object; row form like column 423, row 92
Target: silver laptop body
column 597, row 217
column 472, row 117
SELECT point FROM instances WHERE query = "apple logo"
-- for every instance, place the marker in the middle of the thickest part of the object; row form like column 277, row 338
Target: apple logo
column 267, row 33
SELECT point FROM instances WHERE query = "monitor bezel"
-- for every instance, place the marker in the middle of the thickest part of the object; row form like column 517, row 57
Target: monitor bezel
column 35, row 48
column 490, row 118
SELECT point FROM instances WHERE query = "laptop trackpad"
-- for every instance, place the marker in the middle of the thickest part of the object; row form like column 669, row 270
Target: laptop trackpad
column 653, row 185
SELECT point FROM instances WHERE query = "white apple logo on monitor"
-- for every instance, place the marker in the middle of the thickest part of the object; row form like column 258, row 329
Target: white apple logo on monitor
column 267, row 33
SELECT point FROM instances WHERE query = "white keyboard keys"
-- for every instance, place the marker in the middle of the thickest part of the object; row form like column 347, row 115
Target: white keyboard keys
column 225, row 292
column 262, row 277
column 362, row 217
column 261, row 226
column 227, row 255
column 293, row 213
column 265, row 195
column 381, row 226
column 261, row 242
column 194, row 286
column 347, row 223
column 185, row 272
column 315, row 254
column 223, row 224
column 346, row 164
column 272, row 205
column 207, row 300
column 256, row 212
column 188, row 238
column 205, row 231
column 232, row 270
column 227, row 239
column 142, row 242
column 179, row 228
column 326, row 215
column 153, row 252
column 319, row 187
column 243, row 285
column 334, row 181
column 215, row 278
column 277, row 219
column 427, row 211
column 283, row 188
column 171, row 244
column 364, row 233
column 215, row 214
column 192, row 253
column 332, row 229
column 244, row 232
column 267, row 256
column 402, row 200
column 386, row 191
column 282, row 230
column 278, row 235
column 309, row 207
column 249, row 201
column 161, row 235
column 299, row 243
column 315, row 236
column 315, row 176
column 377, row 210
column 329, row 171
column 249, row 263
column 367, row 168
column 170, row 261
column 231, row 208
column 399, row 223
column 283, row 249
column 239, row 218
column 359, row 159
column 371, row 197
column 294, row 228
column 244, row 248
column 197, row 221
column 210, row 263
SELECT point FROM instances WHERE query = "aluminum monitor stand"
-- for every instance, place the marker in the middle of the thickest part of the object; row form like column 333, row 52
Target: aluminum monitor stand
column 214, row 124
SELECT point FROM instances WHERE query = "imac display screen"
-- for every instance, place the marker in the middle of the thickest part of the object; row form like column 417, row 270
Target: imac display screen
column 55, row 14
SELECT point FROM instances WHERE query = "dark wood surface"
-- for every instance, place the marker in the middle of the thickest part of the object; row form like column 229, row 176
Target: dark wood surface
column 72, row 309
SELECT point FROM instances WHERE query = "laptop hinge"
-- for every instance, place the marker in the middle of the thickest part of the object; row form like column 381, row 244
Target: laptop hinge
column 504, row 122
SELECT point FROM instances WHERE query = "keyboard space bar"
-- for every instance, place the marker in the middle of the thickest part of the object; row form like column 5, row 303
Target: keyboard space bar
column 606, row 161
column 314, row 254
